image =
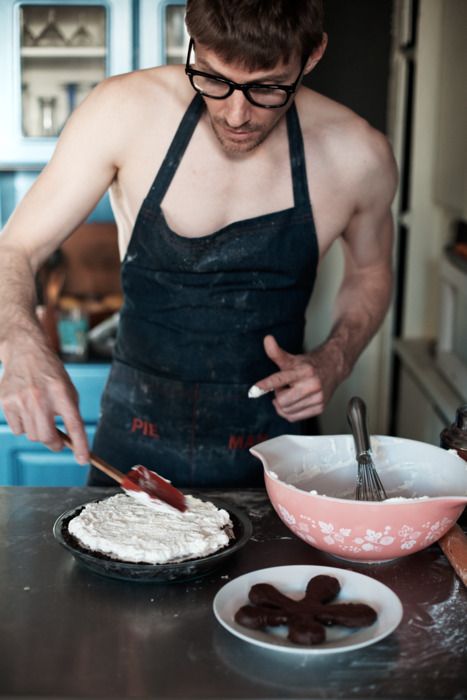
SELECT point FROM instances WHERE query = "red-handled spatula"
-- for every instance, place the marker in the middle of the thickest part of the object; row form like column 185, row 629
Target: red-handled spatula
column 138, row 479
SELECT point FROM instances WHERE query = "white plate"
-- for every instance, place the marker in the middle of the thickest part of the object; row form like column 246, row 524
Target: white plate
column 292, row 580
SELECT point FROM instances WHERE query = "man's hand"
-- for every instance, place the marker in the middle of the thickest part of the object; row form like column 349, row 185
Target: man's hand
column 304, row 384
column 34, row 389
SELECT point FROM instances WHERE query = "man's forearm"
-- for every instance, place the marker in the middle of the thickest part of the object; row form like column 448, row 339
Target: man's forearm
column 35, row 387
column 360, row 307
column 18, row 300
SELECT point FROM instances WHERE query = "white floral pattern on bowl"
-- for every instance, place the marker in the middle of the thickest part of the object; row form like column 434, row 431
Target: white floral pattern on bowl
column 370, row 540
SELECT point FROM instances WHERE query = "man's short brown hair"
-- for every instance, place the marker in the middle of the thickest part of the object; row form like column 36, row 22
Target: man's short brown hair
column 256, row 34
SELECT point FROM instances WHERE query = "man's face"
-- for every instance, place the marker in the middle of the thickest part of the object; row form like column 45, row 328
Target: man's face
column 239, row 125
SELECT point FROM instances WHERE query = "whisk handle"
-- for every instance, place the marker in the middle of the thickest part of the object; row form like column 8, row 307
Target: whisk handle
column 356, row 416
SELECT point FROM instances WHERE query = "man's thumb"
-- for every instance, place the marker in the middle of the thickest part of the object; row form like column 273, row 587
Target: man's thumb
column 275, row 352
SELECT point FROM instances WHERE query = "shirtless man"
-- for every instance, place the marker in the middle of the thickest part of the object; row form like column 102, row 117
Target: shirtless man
column 219, row 252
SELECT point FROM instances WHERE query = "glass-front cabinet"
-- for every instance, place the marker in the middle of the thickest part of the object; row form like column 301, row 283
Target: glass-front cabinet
column 52, row 55
column 62, row 56
column 163, row 35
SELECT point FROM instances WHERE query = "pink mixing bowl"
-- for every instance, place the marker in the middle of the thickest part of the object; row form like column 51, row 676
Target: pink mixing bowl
column 311, row 483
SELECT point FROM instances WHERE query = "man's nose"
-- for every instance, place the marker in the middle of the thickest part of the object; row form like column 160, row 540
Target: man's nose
column 237, row 109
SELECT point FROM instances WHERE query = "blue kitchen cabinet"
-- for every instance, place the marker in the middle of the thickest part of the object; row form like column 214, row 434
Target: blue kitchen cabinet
column 25, row 463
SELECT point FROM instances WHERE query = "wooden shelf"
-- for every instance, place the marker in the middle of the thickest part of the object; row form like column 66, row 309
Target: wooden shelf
column 63, row 52
column 177, row 52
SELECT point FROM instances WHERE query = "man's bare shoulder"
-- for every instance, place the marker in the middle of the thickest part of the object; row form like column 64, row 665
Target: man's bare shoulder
column 127, row 109
column 162, row 89
column 344, row 142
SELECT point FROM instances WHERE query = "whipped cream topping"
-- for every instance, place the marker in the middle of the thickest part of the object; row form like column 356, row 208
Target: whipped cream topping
column 147, row 500
column 128, row 530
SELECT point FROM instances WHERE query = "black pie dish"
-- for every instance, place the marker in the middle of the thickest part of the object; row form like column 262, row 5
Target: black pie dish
column 154, row 573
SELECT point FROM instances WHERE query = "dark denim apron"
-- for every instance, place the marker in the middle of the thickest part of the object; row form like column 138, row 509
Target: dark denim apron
column 190, row 338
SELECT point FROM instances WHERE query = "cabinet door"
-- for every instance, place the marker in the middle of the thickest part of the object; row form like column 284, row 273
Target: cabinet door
column 417, row 419
column 25, row 463
column 51, row 56
column 450, row 176
column 163, row 36
column 89, row 380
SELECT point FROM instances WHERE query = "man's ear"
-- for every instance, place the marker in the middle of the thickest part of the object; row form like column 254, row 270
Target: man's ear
column 317, row 54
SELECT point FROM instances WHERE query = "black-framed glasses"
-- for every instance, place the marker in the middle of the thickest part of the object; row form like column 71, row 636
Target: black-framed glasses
column 259, row 94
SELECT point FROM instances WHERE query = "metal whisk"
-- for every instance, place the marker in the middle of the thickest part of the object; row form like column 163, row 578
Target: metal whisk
column 369, row 486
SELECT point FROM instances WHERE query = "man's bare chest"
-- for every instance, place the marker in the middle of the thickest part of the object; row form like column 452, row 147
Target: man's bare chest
column 202, row 194
column 205, row 193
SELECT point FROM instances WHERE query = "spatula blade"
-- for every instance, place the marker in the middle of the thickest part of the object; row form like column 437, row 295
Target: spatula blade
column 141, row 478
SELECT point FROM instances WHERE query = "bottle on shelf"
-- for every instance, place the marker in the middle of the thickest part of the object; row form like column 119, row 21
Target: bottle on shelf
column 454, row 542
column 73, row 328
column 71, row 90
column 455, row 436
column 47, row 111
column 25, row 102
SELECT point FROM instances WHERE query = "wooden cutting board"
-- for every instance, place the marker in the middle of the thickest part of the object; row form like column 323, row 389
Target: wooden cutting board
column 454, row 546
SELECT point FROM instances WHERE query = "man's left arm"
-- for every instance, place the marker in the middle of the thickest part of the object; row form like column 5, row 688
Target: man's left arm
column 305, row 383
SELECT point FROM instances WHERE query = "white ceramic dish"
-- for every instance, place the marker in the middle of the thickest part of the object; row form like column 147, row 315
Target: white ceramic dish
column 292, row 580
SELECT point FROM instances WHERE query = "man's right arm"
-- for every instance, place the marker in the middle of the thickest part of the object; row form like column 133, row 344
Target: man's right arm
column 35, row 386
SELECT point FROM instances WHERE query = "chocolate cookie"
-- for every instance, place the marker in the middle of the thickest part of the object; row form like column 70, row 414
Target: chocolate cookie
column 305, row 617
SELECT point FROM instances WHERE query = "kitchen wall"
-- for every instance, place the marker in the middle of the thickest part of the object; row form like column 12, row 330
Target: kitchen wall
column 354, row 71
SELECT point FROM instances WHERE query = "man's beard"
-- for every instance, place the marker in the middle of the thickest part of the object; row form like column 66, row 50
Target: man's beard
column 258, row 135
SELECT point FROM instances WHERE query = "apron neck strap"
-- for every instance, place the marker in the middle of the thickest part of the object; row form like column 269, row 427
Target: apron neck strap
column 297, row 158
column 177, row 148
